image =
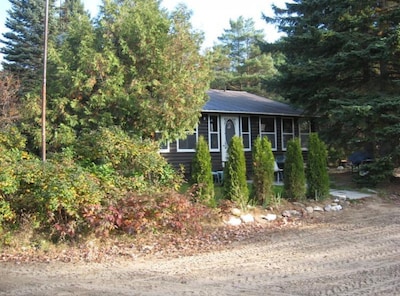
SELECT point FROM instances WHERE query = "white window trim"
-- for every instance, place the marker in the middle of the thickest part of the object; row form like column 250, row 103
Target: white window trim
column 307, row 133
column 285, row 134
column 166, row 150
column 214, row 133
column 245, row 133
column 188, row 150
column 275, row 134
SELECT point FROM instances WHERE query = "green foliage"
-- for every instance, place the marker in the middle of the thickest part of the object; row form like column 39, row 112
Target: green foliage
column 23, row 43
column 374, row 173
column 342, row 64
column 317, row 172
column 235, row 183
column 294, row 176
column 263, row 170
column 56, row 194
column 138, row 161
column 201, row 174
column 238, row 62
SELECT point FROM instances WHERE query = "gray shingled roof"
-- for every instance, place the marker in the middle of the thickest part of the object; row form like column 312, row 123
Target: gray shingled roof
column 243, row 102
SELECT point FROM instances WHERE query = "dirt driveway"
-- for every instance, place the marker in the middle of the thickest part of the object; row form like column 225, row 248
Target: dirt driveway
column 353, row 252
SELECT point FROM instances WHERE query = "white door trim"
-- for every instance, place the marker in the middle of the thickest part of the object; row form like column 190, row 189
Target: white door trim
column 229, row 128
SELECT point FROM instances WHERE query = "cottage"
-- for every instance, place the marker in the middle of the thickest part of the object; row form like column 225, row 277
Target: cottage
column 229, row 113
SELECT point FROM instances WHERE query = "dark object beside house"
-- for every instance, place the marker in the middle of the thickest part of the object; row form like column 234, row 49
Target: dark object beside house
column 359, row 158
column 230, row 113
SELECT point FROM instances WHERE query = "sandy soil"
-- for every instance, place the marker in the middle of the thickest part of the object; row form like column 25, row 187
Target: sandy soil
column 352, row 252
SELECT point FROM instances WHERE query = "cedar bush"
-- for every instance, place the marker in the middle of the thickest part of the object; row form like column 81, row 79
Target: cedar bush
column 201, row 175
column 235, row 183
column 317, row 173
column 294, row 176
column 263, row 170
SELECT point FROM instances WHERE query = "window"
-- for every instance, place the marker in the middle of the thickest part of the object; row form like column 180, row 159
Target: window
column 287, row 131
column 164, row 146
column 213, row 133
column 189, row 143
column 304, row 130
column 268, row 129
column 245, row 132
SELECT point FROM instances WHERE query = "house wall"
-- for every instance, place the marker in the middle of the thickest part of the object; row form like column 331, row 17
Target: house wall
column 177, row 159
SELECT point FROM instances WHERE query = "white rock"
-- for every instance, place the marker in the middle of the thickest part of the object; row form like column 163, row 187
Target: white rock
column 310, row 210
column 294, row 213
column 236, row 212
column 234, row 221
column 336, row 208
column 328, row 208
column 318, row 209
column 248, row 218
column 269, row 217
column 286, row 213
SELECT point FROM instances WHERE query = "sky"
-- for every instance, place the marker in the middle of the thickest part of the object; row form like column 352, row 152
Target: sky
column 209, row 16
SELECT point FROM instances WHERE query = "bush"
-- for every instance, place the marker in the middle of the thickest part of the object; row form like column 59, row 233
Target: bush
column 201, row 175
column 294, row 177
column 56, row 194
column 134, row 214
column 317, row 173
column 129, row 157
column 263, row 170
column 235, row 183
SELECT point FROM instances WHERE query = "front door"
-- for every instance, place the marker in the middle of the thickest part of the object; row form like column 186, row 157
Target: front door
column 229, row 128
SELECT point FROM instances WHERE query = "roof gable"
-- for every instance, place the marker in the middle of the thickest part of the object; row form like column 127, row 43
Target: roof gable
column 221, row 101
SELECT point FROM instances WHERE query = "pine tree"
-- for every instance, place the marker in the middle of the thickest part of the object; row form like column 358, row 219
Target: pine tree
column 23, row 43
column 201, row 174
column 317, row 173
column 235, row 182
column 342, row 64
column 238, row 61
column 294, row 176
column 263, row 170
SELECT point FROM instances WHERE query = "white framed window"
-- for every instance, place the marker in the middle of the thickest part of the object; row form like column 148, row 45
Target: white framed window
column 304, row 133
column 188, row 144
column 245, row 132
column 268, row 129
column 213, row 133
column 164, row 145
column 287, row 131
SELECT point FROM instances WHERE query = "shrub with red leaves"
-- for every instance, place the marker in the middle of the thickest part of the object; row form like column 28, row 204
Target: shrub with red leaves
column 160, row 212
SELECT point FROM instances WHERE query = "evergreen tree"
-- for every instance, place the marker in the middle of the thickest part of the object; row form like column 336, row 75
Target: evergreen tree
column 162, row 78
column 317, row 173
column 201, row 174
column 235, row 182
column 131, row 69
column 342, row 64
column 263, row 170
column 294, row 180
column 238, row 62
column 24, row 42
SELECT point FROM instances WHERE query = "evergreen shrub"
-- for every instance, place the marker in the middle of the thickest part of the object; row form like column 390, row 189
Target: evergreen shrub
column 201, row 174
column 263, row 170
column 235, row 182
column 294, row 177
column 317, row 173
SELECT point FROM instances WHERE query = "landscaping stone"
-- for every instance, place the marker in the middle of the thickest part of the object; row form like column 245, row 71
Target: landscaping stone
column 247, row 218
column 269, row 217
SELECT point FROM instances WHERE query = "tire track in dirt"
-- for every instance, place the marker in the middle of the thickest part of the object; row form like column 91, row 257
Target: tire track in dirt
column 355, row 252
